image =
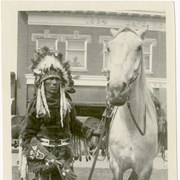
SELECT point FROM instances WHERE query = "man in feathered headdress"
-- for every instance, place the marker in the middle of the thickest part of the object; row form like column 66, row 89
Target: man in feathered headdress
column 51, row 135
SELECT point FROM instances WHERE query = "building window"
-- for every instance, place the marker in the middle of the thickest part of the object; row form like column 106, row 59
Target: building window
column 49, row 42
column 76, row 54
column 46, row 39
column 148, row 54
column 105, row 54
column 104, row 41
column 76, row 50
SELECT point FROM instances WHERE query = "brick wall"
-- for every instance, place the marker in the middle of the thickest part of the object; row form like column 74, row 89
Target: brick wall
column 94, row 58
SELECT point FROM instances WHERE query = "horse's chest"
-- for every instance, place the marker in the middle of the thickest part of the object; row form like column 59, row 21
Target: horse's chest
column 120, row 143
column 122, row 151
column 126, row 145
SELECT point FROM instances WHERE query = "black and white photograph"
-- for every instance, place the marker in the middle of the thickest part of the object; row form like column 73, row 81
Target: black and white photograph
column 89, row 90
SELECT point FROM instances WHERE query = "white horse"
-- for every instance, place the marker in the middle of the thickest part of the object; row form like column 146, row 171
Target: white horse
column 133, row 138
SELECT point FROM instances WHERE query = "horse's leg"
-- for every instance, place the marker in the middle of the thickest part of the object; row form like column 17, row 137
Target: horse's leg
column 117, row 173
column 133, row 176
column 146, row 172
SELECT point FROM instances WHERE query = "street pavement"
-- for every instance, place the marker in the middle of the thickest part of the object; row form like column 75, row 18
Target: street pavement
column 102, row 171
column 159, row 163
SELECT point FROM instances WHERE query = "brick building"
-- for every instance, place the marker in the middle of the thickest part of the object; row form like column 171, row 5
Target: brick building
column 82, row 36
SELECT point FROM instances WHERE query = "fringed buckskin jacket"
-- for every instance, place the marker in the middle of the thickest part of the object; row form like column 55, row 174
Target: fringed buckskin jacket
column 50, row 127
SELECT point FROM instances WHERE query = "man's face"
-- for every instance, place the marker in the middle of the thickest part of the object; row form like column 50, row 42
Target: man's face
column 52, row 85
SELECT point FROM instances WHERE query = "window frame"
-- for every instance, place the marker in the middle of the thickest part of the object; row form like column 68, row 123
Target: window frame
column 55, row 42
column 84, row 68
column 104, row 40
column 151, row 44
column 104, row 54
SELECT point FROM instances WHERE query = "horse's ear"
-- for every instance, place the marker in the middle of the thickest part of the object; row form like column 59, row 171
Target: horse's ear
column 114, row 32
column 142, row 32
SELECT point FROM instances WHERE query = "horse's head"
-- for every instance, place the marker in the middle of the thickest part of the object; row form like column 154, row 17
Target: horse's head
column 124, row 62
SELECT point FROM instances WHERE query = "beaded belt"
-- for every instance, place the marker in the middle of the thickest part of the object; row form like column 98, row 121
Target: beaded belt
column 55, row 143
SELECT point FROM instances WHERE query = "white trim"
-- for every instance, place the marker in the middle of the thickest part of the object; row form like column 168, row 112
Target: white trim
column 46, row 35
column 29, row 79
column 95, row 20
column 100, row 81
column 75, row 36
column 150, row 60
column 55, row 40
column 151, row 43
column 85, row 54
column 104, row 55
column 157, row 82
column 143, row 13
column 102, row 40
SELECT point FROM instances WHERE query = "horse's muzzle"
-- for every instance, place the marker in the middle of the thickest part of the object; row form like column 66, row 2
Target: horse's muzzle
column 117, row 102
column 117, row 99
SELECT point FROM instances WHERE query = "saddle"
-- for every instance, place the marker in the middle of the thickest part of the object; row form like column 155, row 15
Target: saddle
column 162, row 124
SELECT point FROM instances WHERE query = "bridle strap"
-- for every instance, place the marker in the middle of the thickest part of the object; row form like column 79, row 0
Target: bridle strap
column 123, row 30
column 137, row 73
column 135, row 122
column 132, row 80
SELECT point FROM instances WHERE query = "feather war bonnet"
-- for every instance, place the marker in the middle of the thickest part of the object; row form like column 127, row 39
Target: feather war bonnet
column 46, row 64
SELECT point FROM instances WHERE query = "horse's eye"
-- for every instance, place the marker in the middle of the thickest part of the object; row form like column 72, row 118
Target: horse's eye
column 108, row 49
column 138, row 48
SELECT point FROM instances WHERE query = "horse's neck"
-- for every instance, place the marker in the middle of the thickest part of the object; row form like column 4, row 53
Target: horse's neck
column 138, row 96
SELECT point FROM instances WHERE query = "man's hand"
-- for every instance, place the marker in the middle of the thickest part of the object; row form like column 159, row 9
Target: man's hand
column 97, row 132
column 93, row 132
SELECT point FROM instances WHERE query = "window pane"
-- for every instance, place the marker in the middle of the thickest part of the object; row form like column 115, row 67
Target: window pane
column 146, row 48
column 75, row 44
column 146, row 62
column 106, row 59
column 46, row 42
column 106, row 53
column 76, row 59
column 105, row 45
